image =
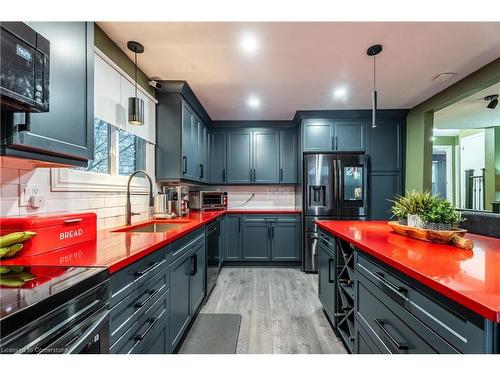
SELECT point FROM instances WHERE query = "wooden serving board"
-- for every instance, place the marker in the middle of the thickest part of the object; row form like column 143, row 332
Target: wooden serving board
column 454, row 237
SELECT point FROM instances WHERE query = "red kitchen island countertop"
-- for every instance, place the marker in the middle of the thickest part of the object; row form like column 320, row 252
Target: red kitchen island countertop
column 116, row 248
column 468, row 277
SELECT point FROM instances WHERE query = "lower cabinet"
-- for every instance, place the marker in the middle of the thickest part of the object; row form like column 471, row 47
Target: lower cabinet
column 270, row 238
column 181, row 305
column 197, row 276
column 232, row 238
column 326, row 279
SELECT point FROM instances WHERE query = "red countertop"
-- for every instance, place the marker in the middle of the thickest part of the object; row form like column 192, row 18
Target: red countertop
column 468, row 277
column 116, row 250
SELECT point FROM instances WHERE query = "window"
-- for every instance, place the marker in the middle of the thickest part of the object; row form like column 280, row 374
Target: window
column 102, row 143
column 131, row 153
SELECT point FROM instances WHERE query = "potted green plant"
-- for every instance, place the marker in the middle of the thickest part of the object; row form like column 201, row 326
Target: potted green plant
column 424, row 210
column 409, row 208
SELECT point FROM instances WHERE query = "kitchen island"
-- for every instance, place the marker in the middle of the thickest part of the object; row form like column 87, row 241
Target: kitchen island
column 394, row 294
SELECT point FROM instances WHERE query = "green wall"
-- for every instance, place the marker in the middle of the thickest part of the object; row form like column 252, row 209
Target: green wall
column 110, row 49
column 420, row 123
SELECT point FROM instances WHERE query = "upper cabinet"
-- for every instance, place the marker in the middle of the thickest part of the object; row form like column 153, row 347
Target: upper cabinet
column 261, row 156
column 183, row 141
column 217, row 157
column 65, row 134
column 386, row 145
column 323, row 135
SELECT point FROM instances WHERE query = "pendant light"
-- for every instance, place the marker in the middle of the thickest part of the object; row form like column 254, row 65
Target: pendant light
column 374, row 51
column 135, row 104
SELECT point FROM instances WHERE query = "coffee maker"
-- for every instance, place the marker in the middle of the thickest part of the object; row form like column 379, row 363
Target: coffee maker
column 178, row 199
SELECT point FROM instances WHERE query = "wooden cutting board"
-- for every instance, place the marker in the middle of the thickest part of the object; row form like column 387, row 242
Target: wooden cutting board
column 454, row 237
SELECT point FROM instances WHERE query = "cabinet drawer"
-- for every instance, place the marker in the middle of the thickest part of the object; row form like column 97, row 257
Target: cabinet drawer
column 128, row 310
column 327, row 240
column 130, row 278
column 132, row 340
column 454, row 326
column 184, row 244
column 364, row 343
column 392, row 329
column 271, row 218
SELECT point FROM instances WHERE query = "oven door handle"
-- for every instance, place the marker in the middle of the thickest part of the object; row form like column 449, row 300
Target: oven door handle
column 90, row 332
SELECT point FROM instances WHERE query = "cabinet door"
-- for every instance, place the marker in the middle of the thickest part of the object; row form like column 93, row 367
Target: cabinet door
column 288, row 157
column 197, row 273
column 349, row 136
column 326, row 280
column 233, row 237
column 256, row 240
column 383, row 186
column 385, row 146
column 67, row 129
column 285, row 241
column 158, row 343
column 179, row 298
column 239, row 156
column 266, row 156
column 188, row 170
column 205, row 172
column 218, row 158
column 318, row 135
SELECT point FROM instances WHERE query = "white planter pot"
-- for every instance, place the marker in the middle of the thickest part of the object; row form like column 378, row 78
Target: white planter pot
column 415, row 221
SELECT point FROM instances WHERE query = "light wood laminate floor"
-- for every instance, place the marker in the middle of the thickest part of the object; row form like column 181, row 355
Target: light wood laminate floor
column 280, row 309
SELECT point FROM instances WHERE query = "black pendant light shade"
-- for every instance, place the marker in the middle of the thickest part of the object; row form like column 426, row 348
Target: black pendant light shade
column 135, row 104
column 374, row 51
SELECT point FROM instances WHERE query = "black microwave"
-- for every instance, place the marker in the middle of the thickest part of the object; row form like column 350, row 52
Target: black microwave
column 24, row 69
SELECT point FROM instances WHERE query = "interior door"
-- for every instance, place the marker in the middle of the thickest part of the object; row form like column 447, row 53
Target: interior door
column 319, row 174
column 351, row 186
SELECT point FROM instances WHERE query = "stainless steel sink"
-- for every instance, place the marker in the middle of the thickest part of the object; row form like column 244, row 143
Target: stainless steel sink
column 156, row 227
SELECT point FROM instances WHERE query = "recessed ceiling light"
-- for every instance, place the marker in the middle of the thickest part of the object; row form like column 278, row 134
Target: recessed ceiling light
column 443, row 77
column 249, row 43
column 340, row 93
column 253, row 102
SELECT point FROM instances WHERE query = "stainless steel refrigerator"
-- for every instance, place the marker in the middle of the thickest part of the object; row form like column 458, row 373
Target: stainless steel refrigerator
column 335, row 187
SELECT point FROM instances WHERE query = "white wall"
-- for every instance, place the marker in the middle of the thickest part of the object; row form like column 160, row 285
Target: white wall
column 472, row 156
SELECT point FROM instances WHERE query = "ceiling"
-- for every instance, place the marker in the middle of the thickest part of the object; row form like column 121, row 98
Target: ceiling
column 298, row 65
column 469, row 113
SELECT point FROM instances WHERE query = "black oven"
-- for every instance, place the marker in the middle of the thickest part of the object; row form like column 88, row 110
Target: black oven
column 24, row 69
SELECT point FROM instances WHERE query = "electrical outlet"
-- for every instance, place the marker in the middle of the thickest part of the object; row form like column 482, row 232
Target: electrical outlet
column 37, row 201
column 28, row 192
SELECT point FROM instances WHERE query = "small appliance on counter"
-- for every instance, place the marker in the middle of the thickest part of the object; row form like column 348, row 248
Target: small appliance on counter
column 51, row 231
column 178, row 199
column 163, row 206
column 54, row 310
column 24, row 73
column 208, row 200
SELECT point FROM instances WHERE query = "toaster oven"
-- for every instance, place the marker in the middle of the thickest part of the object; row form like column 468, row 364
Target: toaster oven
column 207, row 200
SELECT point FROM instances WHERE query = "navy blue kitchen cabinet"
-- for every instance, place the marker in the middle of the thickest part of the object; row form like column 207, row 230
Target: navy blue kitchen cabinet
column 386, row 145
column 328, row 135
column 349, row 136
column 198, row 276
column 140, row 305
column 182, row 135
column 218, row 157
column 187, row 282
column 266, row 156
column 267, row 238
column 180, row 306
column 233, row 238
column 64, row 134
column 256, row 239
column 384, row 187
column 188, row 148
column 327, row 278
column 285, row 239
column 318, row 135
column 239, row 156
column 288, row 156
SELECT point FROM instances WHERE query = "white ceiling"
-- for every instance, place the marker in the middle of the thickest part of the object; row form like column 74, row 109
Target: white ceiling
column 470, row 113
column 299, row 64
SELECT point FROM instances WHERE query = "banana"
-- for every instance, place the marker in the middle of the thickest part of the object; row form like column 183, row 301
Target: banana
column 12, row 238
column 13, row 249
column 12, row 283
column 4, row 269
column 16, row 268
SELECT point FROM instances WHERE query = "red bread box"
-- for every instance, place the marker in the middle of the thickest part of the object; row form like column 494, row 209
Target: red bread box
column 52, row 231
